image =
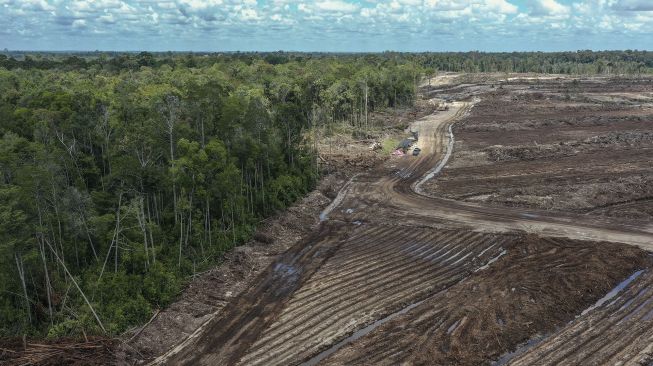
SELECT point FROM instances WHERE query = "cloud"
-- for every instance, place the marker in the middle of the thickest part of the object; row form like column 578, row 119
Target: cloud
column 79, row 24
column 634, row 5
column 37, row 5
column 548, row 7
column 326, row 24
column 336, row 6
column 501, row 6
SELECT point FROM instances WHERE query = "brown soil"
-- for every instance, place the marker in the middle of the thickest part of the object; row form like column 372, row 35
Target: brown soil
column 376, row 271
column 349, row 153
column 618, row 332
column 538, row 285
column 580, row 146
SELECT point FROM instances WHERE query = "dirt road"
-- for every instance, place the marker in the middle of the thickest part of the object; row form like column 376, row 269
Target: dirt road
column 393, row 264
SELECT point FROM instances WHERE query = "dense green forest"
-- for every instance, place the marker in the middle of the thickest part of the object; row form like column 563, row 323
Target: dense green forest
column 578, row 62
column 124, row 174
column 122, row 177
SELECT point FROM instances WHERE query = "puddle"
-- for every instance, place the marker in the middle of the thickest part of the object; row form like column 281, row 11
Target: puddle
column 503, row 360
column 453, row 327
column 324, row 215
column 614, row 292
column 287, row 274
column 487, row 265
column 636, row 311
column 286, row 271
column 358, row 334
column 530, row 215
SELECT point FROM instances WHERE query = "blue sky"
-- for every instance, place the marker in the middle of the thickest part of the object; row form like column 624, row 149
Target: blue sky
column 326, row 25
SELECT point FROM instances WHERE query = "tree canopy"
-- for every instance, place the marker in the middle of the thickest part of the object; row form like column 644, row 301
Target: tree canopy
column 121, row 176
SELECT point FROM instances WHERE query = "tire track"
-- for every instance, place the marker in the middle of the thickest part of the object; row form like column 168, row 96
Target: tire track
column 399, row 275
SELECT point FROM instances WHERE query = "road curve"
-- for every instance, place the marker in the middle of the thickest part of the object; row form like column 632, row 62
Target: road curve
column 401, row 194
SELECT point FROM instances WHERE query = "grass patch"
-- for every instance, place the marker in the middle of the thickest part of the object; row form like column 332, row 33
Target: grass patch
column 389, row 145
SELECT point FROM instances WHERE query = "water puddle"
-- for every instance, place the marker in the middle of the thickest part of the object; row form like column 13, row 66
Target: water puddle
column 636, row 311
column 614, row 292
column 358, row 334
column 324, row 215
column 487, row 265
column 503, row 360
column 453, row 327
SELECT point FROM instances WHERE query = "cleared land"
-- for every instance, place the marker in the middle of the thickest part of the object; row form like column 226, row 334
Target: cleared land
column 465, row 268
column 582, row 146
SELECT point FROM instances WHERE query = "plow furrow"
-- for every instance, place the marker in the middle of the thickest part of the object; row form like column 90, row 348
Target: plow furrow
column 399, row 270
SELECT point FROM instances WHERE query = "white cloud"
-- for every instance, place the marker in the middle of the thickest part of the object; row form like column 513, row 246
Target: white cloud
column 79, row 23
column 501, row 6
column 36, row 5
column 201, row 4
column 249, row 14
column 447, row 5
column 107, row 18
column 336, row 6
column 548, row 7
column 387, row 24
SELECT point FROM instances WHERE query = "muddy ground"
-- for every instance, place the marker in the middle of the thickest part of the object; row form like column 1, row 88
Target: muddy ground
column 582, row 146
column 536, row 286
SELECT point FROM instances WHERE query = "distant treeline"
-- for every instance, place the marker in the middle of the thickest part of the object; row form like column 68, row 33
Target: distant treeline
column 578, row 62
column 121, row 177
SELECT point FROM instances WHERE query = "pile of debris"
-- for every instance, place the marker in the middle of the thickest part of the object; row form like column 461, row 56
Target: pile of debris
column 90, row 351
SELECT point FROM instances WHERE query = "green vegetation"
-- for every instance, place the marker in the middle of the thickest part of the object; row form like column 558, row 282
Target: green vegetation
column 579, row 62
column 389, row 145
column 121, row 177
column 575, row 62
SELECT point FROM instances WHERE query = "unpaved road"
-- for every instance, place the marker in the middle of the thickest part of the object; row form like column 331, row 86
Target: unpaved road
column 387, row 248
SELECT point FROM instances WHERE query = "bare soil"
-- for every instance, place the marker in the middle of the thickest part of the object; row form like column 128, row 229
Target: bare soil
column 581, row 146
column 538, row 285
column 617, row 331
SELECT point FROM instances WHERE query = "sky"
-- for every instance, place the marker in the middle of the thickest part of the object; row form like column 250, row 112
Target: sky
column 326, row 25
